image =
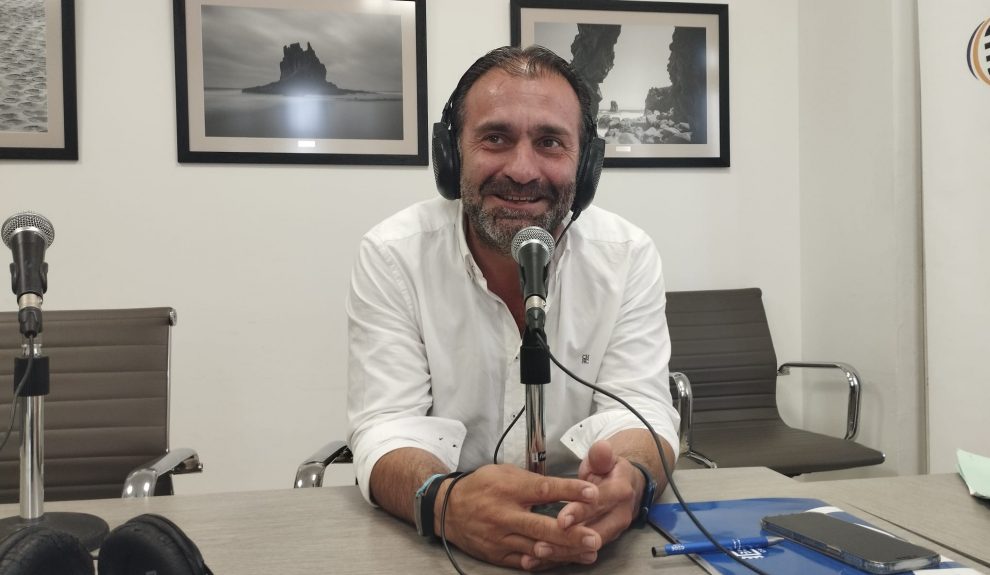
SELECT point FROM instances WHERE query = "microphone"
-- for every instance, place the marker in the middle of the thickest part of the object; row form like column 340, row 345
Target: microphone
column 532, row 249
column 28, row 235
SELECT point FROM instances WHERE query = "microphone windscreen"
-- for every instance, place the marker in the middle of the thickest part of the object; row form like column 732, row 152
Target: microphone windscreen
column 532, row 233
column 28, row 220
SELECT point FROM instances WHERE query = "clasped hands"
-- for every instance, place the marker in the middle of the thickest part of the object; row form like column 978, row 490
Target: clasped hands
column 489, row 517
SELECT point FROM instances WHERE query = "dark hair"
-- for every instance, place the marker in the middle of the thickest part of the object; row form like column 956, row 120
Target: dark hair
column 530, row 62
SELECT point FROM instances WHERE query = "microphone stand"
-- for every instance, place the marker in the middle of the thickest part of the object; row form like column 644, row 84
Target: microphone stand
column 89, row 529
column 534, row 371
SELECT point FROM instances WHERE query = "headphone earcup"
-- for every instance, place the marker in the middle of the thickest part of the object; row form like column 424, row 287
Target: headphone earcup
column 37, row 549
column 150, row 544
column 446, row 162
column 589, row 171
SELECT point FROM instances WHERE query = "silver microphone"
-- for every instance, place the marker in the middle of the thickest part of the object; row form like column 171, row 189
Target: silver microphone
column 28, row 235
column 532, row 248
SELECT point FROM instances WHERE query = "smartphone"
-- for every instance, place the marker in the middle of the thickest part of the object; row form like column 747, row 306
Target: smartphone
column 862, row 547
column 549, row 509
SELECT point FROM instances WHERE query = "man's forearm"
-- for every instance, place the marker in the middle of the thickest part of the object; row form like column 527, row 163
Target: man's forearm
column 637, row 445
column 396, row 477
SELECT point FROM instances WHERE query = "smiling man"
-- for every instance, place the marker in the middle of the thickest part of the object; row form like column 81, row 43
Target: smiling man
column 435, row 322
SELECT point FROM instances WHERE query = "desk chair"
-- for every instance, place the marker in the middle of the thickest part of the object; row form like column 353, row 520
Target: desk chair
column 722, row 352
column 106, row 418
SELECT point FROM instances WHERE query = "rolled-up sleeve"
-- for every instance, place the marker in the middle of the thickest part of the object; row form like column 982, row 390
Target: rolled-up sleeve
column 635, row 366
column 389, row 394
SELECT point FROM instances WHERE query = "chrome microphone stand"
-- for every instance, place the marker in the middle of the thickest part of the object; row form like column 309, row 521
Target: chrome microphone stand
column 534, row 371
column 89, row 529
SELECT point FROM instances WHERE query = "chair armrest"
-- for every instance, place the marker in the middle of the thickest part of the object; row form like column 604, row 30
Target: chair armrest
column 680, row 391
column 310, row 472
column 855, row 386
column 141, row 482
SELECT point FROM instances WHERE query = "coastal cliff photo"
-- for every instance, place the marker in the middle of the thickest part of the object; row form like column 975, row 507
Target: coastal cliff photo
column 273, row 73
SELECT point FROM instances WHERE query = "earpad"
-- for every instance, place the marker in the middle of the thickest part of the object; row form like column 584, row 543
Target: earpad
column 150, row 544
column 446, row 162
column 589, row 172
column 37, row 550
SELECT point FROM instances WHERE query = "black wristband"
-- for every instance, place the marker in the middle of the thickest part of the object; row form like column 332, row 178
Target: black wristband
column 427, row 504
column 649, row 493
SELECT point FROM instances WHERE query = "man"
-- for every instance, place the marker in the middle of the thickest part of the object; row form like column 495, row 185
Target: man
column 436, row 316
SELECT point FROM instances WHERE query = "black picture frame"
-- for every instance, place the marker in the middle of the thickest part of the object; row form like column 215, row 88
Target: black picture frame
column 38, row 115
column 376, row 116
column 689, row 125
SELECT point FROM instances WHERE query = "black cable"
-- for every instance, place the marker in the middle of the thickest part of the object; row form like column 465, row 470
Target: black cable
column 663, row 458
column 506, row 433
column 443, row 518
column 17, row 392
column 568, row 226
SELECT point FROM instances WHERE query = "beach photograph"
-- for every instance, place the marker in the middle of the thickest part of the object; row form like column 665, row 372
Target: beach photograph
column 285, row 73
column 23, row 67
column 649, row 80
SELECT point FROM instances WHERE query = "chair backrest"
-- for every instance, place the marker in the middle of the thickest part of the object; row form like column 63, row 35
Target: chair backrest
column 720, row 339
column 107, row 412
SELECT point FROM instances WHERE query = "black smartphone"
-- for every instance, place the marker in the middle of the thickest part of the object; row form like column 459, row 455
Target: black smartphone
column 862, row 547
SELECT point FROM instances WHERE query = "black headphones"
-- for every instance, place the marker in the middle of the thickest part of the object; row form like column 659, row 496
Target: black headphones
column 447, row 161
column 146, row 544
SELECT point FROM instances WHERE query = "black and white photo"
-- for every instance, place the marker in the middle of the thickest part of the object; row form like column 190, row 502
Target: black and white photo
column 301, row 81
column 37, row 80
column 658, row 72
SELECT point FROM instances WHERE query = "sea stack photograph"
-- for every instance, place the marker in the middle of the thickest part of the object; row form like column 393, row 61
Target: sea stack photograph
column 274, row 73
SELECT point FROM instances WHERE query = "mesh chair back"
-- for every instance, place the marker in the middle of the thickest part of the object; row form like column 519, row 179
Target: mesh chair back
column 720, row 339
column 107, row 412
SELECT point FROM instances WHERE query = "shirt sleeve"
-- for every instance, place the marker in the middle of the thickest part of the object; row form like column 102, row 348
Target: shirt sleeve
column 635, row 365
column 389, row 394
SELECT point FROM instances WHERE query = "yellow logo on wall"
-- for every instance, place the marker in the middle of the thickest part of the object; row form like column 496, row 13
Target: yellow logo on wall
column 978, row 52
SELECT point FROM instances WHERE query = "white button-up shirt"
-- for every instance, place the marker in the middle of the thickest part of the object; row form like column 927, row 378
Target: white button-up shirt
column 432, row 350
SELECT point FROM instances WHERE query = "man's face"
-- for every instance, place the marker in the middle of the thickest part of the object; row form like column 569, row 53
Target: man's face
column 519, row 144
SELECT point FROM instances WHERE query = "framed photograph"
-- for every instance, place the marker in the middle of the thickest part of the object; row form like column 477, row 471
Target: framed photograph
column 301, row 81
column 38, row 80
column 658, row 71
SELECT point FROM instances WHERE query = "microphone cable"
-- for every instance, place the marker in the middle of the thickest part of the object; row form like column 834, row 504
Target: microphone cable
column 17, row 393
column 506, row 433
column 443, row 519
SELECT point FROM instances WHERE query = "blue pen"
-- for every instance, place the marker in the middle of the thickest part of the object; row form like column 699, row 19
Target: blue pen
column 707, row 546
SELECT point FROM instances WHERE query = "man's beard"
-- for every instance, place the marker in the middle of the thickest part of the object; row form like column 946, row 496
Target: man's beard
column 496, row 227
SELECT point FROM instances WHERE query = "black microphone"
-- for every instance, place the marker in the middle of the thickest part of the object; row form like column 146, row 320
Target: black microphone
column 28, row 235
column 532, row 249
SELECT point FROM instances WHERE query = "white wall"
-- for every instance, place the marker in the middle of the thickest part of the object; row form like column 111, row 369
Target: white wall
column 256, row 258
column 860, row 221
column 957, row 278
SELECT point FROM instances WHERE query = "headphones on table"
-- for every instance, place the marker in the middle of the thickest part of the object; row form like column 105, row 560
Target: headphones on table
column 447, row 161
column 145, row 544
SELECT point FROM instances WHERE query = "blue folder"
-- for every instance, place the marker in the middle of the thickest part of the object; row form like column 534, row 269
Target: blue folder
column 741, row 518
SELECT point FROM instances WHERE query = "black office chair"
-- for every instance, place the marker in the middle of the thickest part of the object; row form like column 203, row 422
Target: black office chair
column 722, row 353
column 106, row 418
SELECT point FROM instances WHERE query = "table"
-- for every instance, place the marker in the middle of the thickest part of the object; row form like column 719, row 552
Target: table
column 937, row 507
column 332, row 529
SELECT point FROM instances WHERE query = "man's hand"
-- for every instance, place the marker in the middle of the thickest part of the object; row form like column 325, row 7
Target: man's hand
column 489, row 517
column 620, row 488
